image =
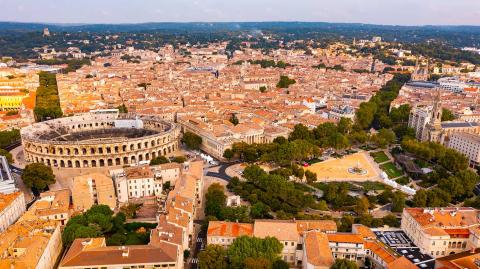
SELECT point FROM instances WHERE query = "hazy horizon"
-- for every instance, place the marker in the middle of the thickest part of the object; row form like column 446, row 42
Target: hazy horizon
column 380, row 12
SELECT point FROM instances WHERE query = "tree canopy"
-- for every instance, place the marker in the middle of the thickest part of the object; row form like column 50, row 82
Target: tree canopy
column 38, row 176
column 191, row 140
column 245, row 247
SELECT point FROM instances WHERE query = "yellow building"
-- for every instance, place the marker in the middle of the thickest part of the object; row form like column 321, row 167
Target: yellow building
column 11, row 100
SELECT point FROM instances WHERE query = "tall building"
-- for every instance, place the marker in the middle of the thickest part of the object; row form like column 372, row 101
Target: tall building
column 434, row 126
column 428, row 125
column 468, row 144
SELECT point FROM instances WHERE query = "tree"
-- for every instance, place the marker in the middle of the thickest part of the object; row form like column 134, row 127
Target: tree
column 344, row 264
column 263, row 89
column 310, row 176
column 215, row 200
column 212, row 257
column 362, row 206
column 301, row 132
column 179, row 159
column 245, row 247
column 159, row 160
column 384, row 137
column 191, row 140
column 257, row 263
column 7, row 155
column 285, row 82
column 344, row 126
column 280, row 264
column 233, row 119
column 259, row 210
column 454, row 161
column 122, row 108
column 398, row 201
column 228, row 154
column 420, row 198
column 38, row 176
column 346, row 223
column 447, row 115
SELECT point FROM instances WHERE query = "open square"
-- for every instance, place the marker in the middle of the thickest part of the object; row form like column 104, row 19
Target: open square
column 338, row 169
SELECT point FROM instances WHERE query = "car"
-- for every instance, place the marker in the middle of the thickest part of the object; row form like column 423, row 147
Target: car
column 306, row 164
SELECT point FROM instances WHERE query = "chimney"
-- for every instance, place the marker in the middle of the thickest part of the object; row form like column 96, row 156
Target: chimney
column 125, row 251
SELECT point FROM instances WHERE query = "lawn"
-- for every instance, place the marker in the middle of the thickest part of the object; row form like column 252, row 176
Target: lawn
column 403, row 180
column 372, row 186
column 391, row 170
column 379, row 156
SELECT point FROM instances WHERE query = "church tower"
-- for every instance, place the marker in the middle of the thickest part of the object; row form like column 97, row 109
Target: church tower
column 434, row 127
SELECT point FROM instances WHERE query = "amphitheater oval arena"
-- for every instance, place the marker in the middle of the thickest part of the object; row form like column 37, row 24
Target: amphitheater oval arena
column 100, row 138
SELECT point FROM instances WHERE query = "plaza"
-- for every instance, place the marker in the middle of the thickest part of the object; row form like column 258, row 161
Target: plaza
column 338, row 169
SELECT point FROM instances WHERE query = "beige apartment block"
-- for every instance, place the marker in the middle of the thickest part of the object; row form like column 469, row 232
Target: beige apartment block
column 93, row 189
column 442, row 231
column 12, row 206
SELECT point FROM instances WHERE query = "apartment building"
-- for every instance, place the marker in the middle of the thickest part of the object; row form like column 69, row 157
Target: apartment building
column 94, row 253
column 285, row 231
column 313, row 244
column 467, row 144
column 347, row 246
column 223, row 233
column 442, row 231
column 167, row 172
column 53, row 205
column 418, row 120
column 93, row 189
column 290, row 233
column 12, row 206
column 35, row 240
column 168, row 240
column 218, row 136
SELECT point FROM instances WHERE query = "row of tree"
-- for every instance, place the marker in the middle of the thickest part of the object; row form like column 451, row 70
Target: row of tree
column 47, row 105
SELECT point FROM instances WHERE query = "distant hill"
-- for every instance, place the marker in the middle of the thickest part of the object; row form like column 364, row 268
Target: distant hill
column 229, row 26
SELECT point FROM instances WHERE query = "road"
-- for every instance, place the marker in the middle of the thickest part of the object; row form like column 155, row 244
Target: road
column 200, row 243
column 221, row 174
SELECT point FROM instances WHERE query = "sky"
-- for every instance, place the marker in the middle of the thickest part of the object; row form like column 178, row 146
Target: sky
column 394, row 12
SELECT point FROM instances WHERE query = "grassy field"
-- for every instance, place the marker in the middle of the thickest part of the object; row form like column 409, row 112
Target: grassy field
column 403, row 180
column 372, row 186
column 379, row 156
column 391, row 170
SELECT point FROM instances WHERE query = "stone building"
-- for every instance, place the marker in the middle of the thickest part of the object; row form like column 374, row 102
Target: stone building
column 99, row 139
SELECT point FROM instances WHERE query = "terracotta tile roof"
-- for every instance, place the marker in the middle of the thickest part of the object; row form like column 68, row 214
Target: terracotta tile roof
column 318, row 225
column 94, row 252
column 283, row 230
column 229, row 229
column 318, row 252
column 401, row 263
column 345, row 238
column 7, row 199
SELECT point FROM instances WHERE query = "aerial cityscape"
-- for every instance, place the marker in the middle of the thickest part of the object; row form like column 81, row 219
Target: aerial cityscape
column 255, row 135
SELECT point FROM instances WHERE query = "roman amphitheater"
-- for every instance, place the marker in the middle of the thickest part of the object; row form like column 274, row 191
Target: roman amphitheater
column 102, row 138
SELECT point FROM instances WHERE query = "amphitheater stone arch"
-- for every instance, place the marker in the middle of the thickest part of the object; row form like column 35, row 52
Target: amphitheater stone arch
column 92, row 140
